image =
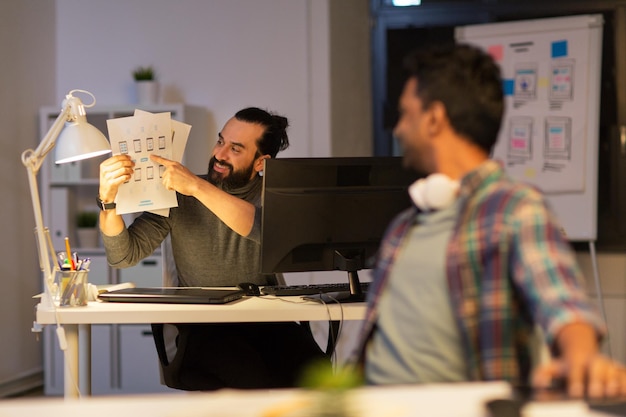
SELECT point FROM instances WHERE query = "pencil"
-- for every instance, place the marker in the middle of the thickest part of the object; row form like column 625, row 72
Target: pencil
column 69, row 253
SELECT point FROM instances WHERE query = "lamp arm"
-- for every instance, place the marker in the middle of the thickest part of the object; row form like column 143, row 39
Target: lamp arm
column 32, row 160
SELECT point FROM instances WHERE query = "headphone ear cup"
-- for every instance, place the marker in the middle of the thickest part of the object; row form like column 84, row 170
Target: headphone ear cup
column 417, row 194
column 441, row 191
column 435, row 192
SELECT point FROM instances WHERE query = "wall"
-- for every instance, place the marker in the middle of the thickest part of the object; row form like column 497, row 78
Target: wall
column 351, row 122
column 220, row 55
column 27, row 72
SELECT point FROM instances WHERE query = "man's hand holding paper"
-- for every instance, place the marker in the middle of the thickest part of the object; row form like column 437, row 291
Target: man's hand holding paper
column 114, row 172
column 139, row 137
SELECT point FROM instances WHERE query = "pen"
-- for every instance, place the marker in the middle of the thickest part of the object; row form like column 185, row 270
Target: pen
column 69, row 253
column 85, row 264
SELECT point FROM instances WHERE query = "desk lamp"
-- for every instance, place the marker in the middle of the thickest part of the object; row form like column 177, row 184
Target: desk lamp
column 77, row 140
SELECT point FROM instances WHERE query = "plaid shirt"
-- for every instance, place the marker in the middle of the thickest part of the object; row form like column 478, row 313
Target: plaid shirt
column 508, row 266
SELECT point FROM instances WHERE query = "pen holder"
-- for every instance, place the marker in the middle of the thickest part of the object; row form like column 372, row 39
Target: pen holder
column 72, row 288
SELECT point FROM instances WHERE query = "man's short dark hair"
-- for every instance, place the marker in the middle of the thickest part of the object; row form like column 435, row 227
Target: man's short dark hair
column 274, row 138
column 468, row 83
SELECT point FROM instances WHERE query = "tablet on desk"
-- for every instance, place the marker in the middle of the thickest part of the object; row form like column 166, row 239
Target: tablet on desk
column 173, row 295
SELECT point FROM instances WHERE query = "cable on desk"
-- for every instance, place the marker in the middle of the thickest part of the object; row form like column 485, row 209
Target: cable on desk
column 331, row 334
column 332, row 340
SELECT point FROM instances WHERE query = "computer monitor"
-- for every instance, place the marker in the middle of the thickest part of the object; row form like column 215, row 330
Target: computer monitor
column 326, row 214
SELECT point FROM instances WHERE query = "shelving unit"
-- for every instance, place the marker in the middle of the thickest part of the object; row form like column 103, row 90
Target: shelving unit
column 124, row 358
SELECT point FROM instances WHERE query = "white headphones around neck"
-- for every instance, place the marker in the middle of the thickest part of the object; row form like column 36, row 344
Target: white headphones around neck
column 435, row 192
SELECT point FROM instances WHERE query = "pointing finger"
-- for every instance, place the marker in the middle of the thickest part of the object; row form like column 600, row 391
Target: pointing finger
column 160, row 160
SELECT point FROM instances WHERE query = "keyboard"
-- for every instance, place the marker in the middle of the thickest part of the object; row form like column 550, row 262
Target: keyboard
column 309, row 289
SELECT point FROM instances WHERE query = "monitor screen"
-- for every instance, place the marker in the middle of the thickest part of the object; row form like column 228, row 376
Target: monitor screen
column 326, row 214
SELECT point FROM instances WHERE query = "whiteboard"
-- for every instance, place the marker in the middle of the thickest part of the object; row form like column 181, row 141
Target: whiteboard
column 551, row 72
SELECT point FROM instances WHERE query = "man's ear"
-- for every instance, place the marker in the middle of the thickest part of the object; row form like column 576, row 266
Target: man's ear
column 259, row 163
column 437, row 117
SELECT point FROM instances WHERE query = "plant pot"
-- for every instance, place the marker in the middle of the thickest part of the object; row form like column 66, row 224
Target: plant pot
column 147, row 91
column 87, row 237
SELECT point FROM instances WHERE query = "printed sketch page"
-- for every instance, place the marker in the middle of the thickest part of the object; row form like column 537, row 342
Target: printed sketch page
column 140, row 136
column 180, row 134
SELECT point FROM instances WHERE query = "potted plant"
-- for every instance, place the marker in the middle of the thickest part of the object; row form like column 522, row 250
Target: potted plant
column 331, row 388
column 86, row 222
column 147, row 86
column 143, row 74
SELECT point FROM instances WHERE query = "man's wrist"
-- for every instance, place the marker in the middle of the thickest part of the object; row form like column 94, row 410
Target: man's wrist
column 577, row 339
column 104, row 205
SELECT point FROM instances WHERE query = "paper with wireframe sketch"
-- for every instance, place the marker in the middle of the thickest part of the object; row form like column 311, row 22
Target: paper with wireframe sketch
column 139, row 136
column 180, row 134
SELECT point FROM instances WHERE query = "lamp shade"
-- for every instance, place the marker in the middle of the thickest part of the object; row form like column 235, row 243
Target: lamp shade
column 80, row 140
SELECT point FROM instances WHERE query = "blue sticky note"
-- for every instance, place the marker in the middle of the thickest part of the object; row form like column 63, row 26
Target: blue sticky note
column 559, row 49
column 508, row 85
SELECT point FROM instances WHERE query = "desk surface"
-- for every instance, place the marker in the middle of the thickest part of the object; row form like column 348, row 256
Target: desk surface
column 248, row 309
column 436, row 400
column 432, row 401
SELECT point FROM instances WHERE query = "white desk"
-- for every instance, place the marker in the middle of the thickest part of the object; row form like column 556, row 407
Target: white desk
column 437, row 400
column 77, row 323
column 410, row 401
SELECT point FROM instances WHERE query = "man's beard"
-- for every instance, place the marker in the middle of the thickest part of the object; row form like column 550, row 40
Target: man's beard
column 233, row 180
column 417, row 159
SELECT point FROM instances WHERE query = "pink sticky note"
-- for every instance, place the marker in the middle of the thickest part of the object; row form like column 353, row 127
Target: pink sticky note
column 496, row 51
column 518, row 143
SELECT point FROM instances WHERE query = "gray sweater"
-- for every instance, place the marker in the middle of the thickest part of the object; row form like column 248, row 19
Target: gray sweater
column 206, row 251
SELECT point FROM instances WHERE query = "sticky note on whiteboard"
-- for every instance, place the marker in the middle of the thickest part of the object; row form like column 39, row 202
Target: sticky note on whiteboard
column 496, row 52
column 559, row 49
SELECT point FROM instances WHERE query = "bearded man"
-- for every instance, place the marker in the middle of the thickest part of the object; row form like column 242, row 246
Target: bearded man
column 215, row 241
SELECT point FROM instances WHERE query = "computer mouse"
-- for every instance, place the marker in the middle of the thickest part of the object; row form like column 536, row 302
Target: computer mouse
column 249, row 288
